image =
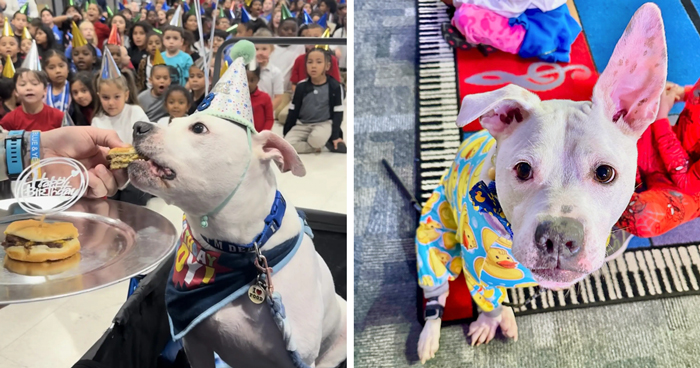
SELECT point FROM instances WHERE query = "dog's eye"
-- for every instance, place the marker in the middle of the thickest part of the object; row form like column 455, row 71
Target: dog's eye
column 198, row 128
column 523, row 170
column 604, row 174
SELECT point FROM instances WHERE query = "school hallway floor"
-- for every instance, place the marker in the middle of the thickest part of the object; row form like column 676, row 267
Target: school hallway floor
column 56, row 333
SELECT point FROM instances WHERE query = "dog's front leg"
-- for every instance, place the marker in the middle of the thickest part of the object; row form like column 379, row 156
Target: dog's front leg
column 198, row 353
column 483, row 330
column 429, row 340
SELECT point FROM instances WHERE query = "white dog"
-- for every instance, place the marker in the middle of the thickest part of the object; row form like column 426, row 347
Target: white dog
column 194, row 164
column 564, row 170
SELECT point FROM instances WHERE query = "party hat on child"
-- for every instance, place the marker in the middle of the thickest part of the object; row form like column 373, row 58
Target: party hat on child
column 307, row 17
column 230, row 97
column 326, row 34
column 248, row 3
column 232, row 29
column 245, row 16
column 114, row 37
column 24, row 9
column 158, row 58
column 8, row 70
column 7, row 29
column 109, row 68
column 224, row 68
column 323, row 21
column 109, row 11
column 286, row 14
column 26, row 35
column 165, row 7
column 78, row 38
column 120, row 6
column 177, row 18
column 31, row 61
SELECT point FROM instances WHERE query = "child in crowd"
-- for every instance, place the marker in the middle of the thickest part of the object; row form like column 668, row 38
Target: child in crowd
column 222, row 24
column 94, row 13
column 153, row 46
column 125, row 60
column 270, row 75
column 26, row 42
column 255, row 9
column 152, row 18
column 219, row 38
column 162, row 17
column 83, row 54
column 19, row 20
column 139, row 43
column 190, row 24
column 249, row 28
column 263, row 114
column 83, row 98
column 299, row 68
column 87, row 30
column 7, row 96
column 197, row 85
column 177, row 102
column 45, row 40
column 47, row 19
column 121, row 23
column 55, row 64
column 316, row 112
column 9, row 45
column 151, row 100
column 30, row 86
column 117, row 106
column 188, row 45
column 173, row 54
column 283, row 57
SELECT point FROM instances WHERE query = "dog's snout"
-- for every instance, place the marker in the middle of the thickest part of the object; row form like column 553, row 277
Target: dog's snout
column 561, row 236
column 142, row 128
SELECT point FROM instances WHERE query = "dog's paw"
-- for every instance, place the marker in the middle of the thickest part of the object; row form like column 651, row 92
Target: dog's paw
column 429, row 340
column 508, row 325
column 484, row 329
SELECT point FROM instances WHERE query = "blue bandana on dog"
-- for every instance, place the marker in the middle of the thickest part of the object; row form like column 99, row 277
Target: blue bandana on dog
column 203, row 281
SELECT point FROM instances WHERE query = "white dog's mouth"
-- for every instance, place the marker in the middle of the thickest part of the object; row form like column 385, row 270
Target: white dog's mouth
column 153, row 167
column 556, row 278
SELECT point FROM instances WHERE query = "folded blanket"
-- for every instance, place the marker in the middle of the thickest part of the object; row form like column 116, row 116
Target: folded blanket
column 549, row 34
column 483, row 26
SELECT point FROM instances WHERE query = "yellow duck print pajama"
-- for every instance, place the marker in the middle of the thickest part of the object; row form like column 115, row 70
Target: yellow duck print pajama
column 463, row 229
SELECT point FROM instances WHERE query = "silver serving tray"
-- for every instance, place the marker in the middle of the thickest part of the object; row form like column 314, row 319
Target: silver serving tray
column 118, row 241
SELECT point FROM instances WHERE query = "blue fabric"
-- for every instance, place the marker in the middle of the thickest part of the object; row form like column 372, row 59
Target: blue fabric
column 549, row 34
column 57, row 33
column 201, row 282
column 182, row 62
column 489, row 204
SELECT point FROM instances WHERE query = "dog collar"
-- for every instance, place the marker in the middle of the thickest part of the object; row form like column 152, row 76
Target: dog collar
column 273, row 221
column 485, row 198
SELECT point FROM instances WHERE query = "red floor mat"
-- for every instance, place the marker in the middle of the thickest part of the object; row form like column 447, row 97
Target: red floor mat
column 572, row 81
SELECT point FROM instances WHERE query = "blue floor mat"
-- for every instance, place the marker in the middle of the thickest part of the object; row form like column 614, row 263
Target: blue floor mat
column 604, row 21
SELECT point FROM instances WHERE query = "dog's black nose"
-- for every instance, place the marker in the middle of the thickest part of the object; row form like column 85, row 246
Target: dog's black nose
column 561, row 236
column 142, row 128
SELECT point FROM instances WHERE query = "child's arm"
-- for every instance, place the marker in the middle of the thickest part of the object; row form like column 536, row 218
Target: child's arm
column 293, row 114
column 337, row 116
column 187, row 64
column 269, row 114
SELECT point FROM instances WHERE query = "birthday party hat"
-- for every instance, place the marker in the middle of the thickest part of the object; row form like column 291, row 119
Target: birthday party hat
column 158, row 58
column 26, row 35
column 221, row 13
column 245, row 16
column 326, row 34
column 24, row 9
column 248, row 3
column 114, row 37
column 230, row 97
column 7, row 29
column 224, row 68
column 8, row 70
column 307, row 18
column 78, row 38
column 46, row 6
column 109, row 11
column 31, row 61
column 286, row 14
column 232, row 29
column 177, row 18
column 120, row 6
column 165, row 7
column 86, row 5
column 109, row 68
column 156, row 30
column 71, row 3
column 323, row 21
column 186, row 8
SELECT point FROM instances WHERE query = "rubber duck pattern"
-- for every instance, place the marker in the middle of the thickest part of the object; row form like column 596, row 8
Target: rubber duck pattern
column 463, row 229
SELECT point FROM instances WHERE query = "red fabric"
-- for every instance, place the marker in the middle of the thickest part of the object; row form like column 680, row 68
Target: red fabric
column 577, row 85
column 263, row 113
column 102, row 33
column 299, row 69
column 47, row 119
column 459, row 304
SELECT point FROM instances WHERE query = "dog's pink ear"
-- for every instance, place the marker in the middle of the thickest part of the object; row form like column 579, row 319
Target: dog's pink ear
column 275, row 148
column 499, row 111
column 630, row 86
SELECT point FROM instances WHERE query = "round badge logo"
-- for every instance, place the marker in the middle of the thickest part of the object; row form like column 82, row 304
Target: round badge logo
column 51, row 185
column 256, row 294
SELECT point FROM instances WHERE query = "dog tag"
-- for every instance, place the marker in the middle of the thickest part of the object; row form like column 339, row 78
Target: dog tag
column 256, row 294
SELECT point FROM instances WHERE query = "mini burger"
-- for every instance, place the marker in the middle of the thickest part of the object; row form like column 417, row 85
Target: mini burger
column 121, row 157
column 38, row 241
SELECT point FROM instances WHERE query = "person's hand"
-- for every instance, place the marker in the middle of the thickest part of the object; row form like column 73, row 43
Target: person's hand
column 676, row 90
column 77, row 17
column 337, row 142
column 668, row 98
column 88, row 145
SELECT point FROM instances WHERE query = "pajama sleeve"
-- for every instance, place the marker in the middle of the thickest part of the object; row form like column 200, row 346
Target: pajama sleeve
column 675, row 159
